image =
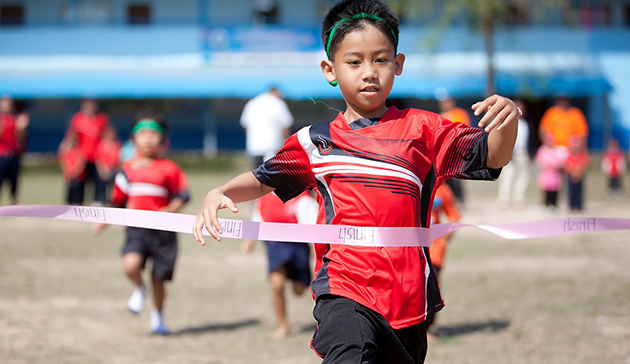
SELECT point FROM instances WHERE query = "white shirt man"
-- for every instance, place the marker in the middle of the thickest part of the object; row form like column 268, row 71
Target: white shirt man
column 266, row 120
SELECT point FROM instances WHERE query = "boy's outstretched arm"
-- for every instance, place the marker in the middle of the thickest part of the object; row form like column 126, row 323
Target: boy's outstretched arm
column 501, row 119
column 244, row 187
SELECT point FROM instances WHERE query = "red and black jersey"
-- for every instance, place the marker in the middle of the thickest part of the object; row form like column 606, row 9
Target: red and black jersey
column 149, row 187
column 378, row 173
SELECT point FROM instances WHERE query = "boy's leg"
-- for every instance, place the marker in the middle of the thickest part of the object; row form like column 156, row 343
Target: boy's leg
column 277, row 280
column 132, row 265
column 163, row 249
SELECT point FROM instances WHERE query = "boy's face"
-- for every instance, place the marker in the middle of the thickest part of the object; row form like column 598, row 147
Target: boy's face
column 148, row 143
column 364, row 65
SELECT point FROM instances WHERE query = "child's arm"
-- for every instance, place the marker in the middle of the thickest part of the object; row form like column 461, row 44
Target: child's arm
column 501, row 116
column 244, row 187
column 174, row 206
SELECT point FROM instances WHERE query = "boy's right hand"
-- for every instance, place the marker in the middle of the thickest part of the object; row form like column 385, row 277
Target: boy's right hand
column 214, row 201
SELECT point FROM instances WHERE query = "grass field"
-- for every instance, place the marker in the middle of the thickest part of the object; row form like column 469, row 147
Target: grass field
column 554, row 300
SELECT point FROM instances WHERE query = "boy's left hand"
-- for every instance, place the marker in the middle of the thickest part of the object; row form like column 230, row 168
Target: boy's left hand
column 500, row 111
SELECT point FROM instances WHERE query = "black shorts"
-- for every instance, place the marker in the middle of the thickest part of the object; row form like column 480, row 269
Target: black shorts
column 348, row 332
column 294, row 256
column 161, row 246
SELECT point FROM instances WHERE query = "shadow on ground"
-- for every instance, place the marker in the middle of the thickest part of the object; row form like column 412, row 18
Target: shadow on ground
column 228, row 326
column 469, row 328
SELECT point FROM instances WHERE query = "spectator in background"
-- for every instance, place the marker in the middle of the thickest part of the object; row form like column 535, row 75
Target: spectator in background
column 107, row 156
column 266, row 120
column 576, row 166
column 13, row 127
column 449, row 110
column 286, row 260
column 72, row 163
column 89, row 124
column 550, row 159
column 515, row 176
column 614, row 167
column 564, row 121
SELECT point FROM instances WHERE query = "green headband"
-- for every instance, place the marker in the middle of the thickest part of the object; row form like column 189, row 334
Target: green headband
column 354, row 17
column 148, row 124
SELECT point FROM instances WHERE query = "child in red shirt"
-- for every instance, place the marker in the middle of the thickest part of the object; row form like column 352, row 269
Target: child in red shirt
column 72, row 163
column 576, row 166
column 149, row 182
column 373, row 165
column 107, row 156
column 88, row 123
column 614, row 167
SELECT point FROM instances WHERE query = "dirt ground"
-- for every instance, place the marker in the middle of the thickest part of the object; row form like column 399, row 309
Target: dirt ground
column 547, row 300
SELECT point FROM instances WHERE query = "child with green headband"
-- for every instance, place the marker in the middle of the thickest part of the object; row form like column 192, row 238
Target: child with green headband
column 149, row 182
column 373, row 165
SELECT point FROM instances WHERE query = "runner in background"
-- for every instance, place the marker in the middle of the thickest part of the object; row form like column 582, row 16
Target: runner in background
column 149, row 182
column 285, row 260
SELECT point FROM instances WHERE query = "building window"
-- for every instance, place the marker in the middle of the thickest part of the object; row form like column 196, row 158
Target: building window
column 12, row 14
column 266, row 12
column 139, row 14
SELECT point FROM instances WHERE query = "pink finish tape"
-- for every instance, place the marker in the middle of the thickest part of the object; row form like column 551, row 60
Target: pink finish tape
column 323, row 234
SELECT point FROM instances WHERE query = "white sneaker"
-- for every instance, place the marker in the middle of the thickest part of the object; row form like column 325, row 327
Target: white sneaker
column 157, row 323
column 136, row 301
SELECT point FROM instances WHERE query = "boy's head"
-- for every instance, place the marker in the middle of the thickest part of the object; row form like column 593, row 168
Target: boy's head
column 349, row 15
column 89, row 106
column 361, row 40
column 149, row 134
column 6, row 104
column 613, row 143
column 110, row 134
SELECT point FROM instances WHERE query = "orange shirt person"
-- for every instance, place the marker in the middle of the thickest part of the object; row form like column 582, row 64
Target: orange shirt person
column 449, row 110
column 563, row 122
column 443, row 204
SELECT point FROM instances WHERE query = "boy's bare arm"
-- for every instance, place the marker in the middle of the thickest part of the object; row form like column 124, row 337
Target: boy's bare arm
column 175, row 205
column 244, row 187
column 500, row 121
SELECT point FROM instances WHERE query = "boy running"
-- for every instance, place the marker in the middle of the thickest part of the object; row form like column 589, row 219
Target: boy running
column 148, row 182
column 373, row 165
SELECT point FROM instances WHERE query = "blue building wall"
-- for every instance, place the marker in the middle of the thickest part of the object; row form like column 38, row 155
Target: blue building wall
column 65, row 50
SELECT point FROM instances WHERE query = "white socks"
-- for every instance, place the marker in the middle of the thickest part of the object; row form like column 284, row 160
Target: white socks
column 136, row 301
column 157, row 323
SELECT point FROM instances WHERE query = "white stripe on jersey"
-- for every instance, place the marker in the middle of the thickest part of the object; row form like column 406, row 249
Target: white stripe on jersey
column 324, row 164
column 122, row 182
column 146, row 189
